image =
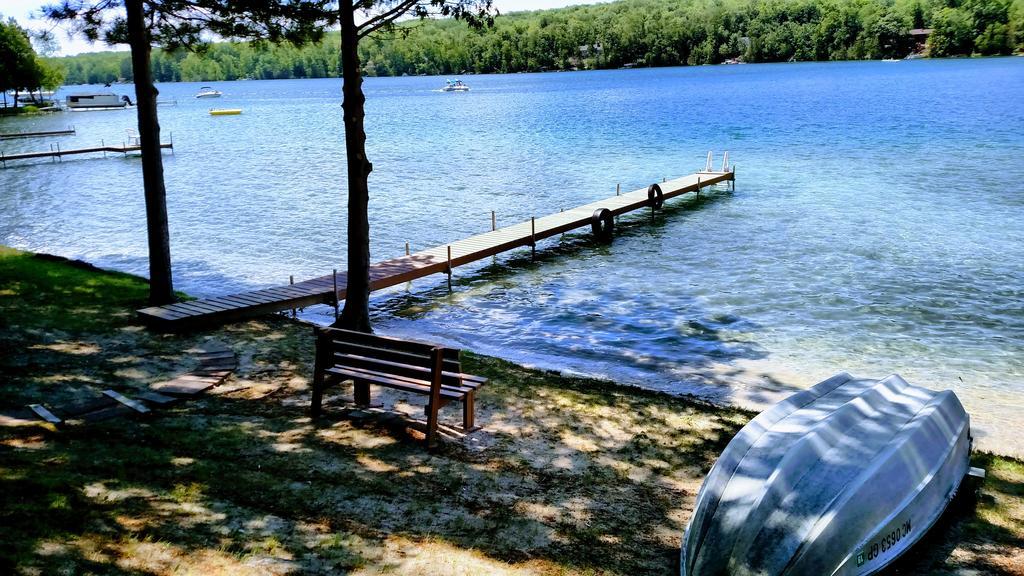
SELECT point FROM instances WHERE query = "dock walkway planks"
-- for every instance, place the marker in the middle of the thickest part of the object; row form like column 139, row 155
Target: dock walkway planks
column 195, row 313
column 11, row 135
column 58, row 153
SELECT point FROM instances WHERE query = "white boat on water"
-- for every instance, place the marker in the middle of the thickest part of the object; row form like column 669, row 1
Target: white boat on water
column 840, row 479
column 208, row 92
column 455, row 86
column 96, row 101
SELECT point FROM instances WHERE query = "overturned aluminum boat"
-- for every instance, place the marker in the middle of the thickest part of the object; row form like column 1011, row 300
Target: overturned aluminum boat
column 837, row 480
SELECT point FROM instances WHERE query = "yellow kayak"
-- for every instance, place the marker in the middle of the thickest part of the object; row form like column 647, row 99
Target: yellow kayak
column 225, row 111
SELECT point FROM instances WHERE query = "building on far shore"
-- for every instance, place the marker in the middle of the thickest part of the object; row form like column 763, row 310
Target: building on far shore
column 920, row 38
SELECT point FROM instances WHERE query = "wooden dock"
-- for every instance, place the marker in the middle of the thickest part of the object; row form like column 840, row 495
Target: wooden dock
column 11, row 135
column 58, row 153
column 440, row 259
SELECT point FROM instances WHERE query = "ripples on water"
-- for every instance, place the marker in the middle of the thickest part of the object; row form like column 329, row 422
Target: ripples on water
column 876, row 225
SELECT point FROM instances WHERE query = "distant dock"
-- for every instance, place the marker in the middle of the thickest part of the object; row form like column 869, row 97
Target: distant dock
column 13, row 135
column 56, row 153
column 599, row 216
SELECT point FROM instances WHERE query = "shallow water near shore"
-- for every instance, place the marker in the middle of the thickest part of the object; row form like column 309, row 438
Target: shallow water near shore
column 877, row 224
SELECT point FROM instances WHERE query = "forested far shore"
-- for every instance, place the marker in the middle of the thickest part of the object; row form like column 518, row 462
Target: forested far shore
column 624, row 33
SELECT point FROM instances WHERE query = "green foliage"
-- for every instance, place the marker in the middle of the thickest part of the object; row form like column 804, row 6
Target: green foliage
column 953, row 32
column 628, row 32
column 20, row 67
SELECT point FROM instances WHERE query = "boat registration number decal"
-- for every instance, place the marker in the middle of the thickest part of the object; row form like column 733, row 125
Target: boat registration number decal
column 884, row 544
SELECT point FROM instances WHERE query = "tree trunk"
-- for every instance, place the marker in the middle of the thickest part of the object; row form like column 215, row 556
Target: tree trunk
column 356, row 315
column 161, row 290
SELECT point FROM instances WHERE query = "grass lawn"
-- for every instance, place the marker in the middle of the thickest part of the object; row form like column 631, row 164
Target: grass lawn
column 567, row 476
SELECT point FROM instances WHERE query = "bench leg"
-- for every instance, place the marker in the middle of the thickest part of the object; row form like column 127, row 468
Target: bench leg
column 434, row 404
column 362, row 393
column 468, row 406
column 318, row 398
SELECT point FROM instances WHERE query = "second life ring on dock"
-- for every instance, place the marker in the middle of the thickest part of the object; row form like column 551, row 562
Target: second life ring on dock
column 654, row 196
column 602, row 223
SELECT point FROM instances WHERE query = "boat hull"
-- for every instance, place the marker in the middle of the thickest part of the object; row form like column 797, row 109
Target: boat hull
column 80, row 102
column 837, row 480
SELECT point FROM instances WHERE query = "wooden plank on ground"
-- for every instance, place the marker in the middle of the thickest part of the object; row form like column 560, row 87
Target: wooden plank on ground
column 185, row 385
column 45, row 414
column 137, row 406
column 157, row 398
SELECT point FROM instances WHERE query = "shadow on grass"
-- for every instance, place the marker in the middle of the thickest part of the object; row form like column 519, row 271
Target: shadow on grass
column 248, row 483
column 976, row 525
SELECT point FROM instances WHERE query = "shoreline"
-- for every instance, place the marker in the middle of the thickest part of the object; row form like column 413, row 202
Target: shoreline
column 567, row 475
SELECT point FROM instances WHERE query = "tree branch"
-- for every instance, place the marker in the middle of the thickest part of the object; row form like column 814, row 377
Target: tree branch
column 385, row 18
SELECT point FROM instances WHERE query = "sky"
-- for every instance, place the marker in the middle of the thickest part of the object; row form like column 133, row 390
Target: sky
column 26, row 12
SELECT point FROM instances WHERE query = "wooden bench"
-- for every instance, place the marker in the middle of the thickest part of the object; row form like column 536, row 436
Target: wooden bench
column 416, row 367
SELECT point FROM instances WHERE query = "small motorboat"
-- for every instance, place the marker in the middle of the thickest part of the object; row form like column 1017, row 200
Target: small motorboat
column 225, row 111
column 208, row 92
column 840, row 479
column 455, row 86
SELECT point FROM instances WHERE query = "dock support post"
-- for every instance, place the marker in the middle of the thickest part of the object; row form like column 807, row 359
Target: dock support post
column 334, row 277
column 533, row 238
column 291, row 282
column 618, row 187
column 494, row 221
column 406, row 247
column 3, row 159
column 103, row 145
column 733, row 182
column 58, row 152
column 698, row 186
column 449, row 268
column 172, row 143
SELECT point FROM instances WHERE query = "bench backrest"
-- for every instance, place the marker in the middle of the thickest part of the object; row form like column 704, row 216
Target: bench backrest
column 383, row 354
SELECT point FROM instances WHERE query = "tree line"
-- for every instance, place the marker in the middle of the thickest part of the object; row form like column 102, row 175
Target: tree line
column 21, row 69
column 624, row 33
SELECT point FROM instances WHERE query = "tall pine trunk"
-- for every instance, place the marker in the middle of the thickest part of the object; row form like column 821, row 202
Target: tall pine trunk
column 161, row 290
column 356, row 314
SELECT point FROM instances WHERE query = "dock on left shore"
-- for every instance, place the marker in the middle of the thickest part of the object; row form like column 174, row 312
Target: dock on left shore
column 57, row 152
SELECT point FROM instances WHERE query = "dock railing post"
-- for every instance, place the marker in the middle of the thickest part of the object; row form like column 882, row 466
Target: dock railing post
column 291, row 282
column 494, row 221
column 533, row 238
column 334, row 277
column 58, row 152
column 725, row 162
column 708, row 167
column 449, row 268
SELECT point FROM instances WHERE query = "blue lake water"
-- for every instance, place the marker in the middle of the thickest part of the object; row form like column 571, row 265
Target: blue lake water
column 877, row 224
